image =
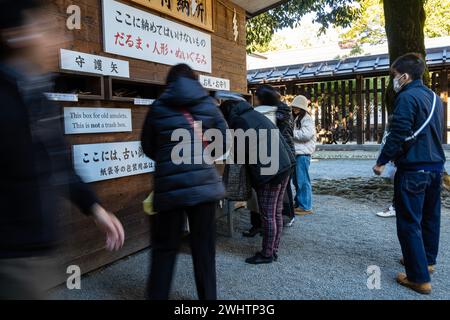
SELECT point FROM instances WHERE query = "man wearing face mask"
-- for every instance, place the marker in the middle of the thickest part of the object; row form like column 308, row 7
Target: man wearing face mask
column 420, row 159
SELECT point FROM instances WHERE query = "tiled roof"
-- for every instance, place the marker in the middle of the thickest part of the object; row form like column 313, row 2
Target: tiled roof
column 332, row 68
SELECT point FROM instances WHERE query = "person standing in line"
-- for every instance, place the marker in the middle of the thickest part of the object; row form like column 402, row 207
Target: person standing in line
column 267, row 95
column 305, row 145
column 270, row 188
column 415, row 145
column 192, row 188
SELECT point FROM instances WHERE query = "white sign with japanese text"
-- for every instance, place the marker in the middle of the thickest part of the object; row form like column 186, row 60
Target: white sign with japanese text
column 214, row 83
column 97, row 120
column 84, row 62
column 103, row 161
column 134, row 33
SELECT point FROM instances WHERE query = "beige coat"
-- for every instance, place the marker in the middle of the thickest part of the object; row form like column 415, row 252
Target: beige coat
column 305, row 136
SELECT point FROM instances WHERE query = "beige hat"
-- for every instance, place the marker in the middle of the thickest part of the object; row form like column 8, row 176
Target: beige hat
column 300, row 102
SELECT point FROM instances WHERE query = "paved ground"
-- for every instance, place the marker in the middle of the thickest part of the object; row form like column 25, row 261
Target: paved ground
column 323, row 256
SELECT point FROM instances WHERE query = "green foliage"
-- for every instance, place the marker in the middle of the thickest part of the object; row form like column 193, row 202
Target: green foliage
column 438, row 18
column 327, row 12
column 368, row 28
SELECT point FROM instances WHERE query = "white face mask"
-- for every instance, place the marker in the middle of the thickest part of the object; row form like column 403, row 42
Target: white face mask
column 397, row 85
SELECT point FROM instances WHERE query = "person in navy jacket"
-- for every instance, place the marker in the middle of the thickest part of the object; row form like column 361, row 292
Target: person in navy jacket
column 420, row 166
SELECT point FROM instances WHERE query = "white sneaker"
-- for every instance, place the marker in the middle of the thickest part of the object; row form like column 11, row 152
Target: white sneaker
column 387, row 213
column 290, row 223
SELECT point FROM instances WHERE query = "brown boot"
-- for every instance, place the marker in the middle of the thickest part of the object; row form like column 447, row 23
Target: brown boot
column 423, row 288
column 430, row 267
column 301, row 212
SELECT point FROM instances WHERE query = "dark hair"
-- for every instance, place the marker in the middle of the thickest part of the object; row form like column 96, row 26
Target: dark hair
column 267, row 95
column 410, row 63
column 178, row 71
column 226, row 106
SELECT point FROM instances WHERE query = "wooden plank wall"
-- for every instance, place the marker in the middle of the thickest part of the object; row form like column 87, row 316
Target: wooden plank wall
column 360, row 101
column 83, row 244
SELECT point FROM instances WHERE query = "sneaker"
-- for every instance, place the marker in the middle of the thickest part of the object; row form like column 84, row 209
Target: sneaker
column 290, row 222
column 387, row 213
column 430, row 266
column 301, row 212
column 422, row 288
column 258, row 258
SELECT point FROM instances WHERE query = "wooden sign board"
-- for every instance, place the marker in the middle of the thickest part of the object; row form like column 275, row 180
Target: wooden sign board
column 196, row 12
column 104, row 161
column 138, row 34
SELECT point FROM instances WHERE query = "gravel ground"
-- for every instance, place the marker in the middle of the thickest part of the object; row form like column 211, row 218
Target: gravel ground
column 323, row 256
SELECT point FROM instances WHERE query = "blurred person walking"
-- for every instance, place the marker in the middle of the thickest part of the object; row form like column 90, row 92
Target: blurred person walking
column 188, row 188
column 415, row 145
column 35, row 162
column 305, row 145
column 270, row 189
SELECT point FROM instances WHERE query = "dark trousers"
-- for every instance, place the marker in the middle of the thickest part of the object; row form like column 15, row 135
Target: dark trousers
column 288, row 202
column 418, row 208
column 167, row 232
column 288, row 207
column 255, row 219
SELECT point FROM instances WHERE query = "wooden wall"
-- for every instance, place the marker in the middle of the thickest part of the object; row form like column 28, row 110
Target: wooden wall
column 228, row 57
column 83, row 243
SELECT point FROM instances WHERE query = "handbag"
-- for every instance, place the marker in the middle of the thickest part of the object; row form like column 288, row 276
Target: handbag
column 148, row 204
column 237, row 182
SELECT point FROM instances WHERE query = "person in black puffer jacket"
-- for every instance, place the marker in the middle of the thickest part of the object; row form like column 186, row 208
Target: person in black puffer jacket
column 269, row 187
column 268, row 96
column 179, row 188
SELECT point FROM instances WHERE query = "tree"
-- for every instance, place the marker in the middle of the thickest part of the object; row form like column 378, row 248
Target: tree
column 260, row 29
column 369, row 27
column 405, row 33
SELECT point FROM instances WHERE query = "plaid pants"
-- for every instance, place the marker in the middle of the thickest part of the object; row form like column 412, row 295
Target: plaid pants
column 270, row 201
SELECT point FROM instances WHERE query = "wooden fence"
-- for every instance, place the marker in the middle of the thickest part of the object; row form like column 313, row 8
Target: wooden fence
column 357, row 104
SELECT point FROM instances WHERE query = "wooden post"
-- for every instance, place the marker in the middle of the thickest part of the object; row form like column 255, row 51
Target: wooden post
column 329, row 111
column 351, row 110
column 360, row 109
column 323, row 105
column 376, row 136
column 444, row 80
column 343, row 100
column 383, row 105
column 316, row 103
column 336, row 115
column 367, row 92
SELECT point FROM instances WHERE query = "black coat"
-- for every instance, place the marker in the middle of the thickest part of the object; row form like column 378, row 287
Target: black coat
column 243, row 116
column 36, row 167
column 181, row 185
column 285, row 122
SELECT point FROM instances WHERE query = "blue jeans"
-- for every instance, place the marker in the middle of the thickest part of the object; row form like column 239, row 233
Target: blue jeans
column 418, row 208
column 303, row 197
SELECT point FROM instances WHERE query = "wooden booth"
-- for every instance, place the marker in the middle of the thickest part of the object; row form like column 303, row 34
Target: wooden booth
column 108, row 75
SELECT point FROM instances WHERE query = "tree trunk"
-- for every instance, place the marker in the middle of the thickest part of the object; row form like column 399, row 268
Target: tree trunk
column 405, row 20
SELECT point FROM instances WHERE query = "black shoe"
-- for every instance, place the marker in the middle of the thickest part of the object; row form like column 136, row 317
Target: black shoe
column 258, row 258
column 252, row 232
column 275, row 256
